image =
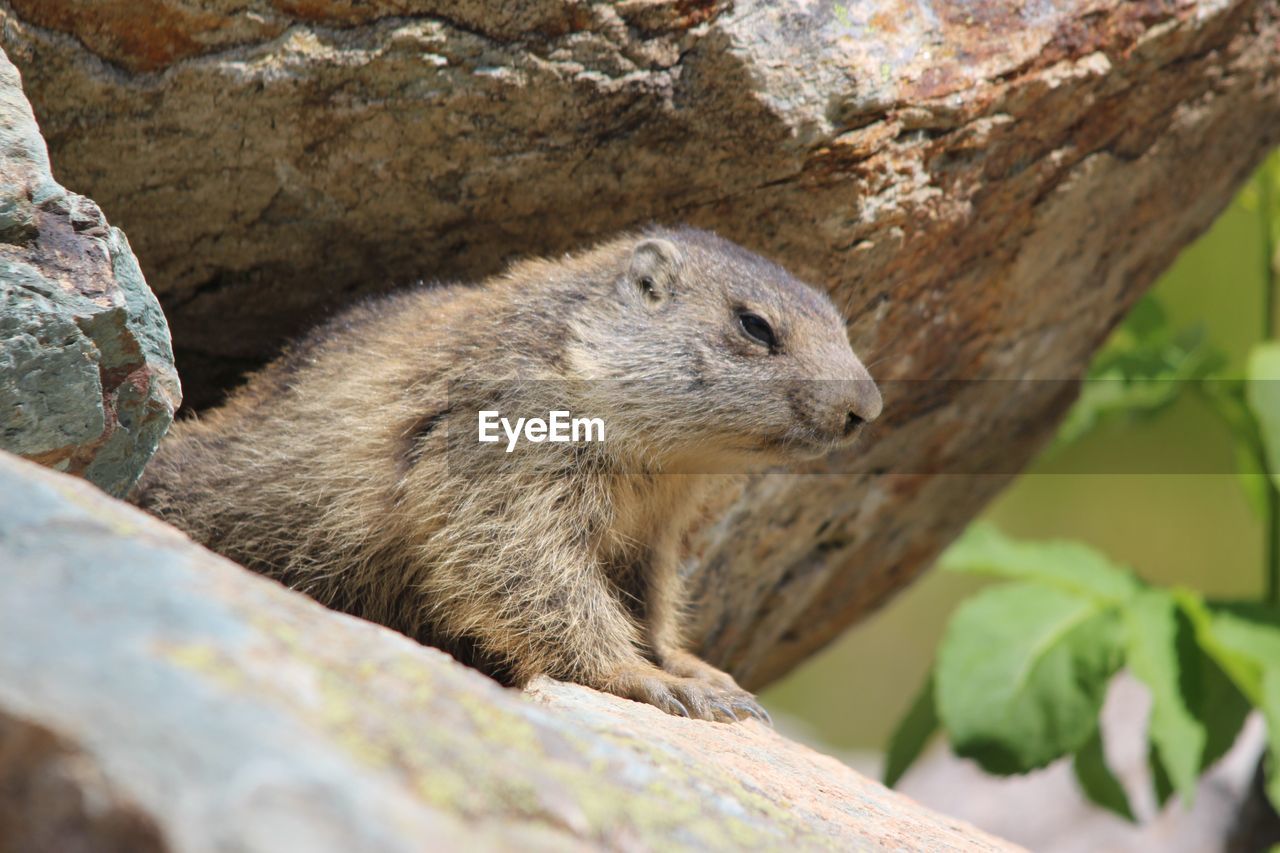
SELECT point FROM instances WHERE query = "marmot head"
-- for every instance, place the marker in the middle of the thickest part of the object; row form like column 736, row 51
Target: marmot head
column 707, row 350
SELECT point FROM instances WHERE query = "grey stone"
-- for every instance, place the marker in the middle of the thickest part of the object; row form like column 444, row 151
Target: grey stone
column 87, row 381
column 154, row 696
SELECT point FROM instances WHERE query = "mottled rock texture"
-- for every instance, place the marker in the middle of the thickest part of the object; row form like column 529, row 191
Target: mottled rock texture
column 87, row 381
column 154, row 696
column 984, row 187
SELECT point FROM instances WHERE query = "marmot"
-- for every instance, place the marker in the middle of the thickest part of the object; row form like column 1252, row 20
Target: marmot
column 350, row 468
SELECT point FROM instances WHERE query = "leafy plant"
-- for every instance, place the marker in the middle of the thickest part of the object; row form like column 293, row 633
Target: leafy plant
column 1023, row 667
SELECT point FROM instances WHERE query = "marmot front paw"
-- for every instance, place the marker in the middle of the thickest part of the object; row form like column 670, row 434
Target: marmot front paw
column 694, row 697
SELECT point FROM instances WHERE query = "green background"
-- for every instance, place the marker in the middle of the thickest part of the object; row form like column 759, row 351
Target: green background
column 1195, row 530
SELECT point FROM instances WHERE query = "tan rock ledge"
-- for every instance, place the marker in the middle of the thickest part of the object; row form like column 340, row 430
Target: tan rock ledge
column 154, row 696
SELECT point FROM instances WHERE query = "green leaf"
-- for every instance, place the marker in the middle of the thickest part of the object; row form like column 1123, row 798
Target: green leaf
column 1159, row 648
column 1250, row 628
column 1271, row 713
column 1242, row 669
column 1107, row 398
column 1096, row 779
column 1243, row 638
column 1208, row 693
column 1147, row 320
column 1252, row 478
column 1070, row 566
column 1021, row 674
column 1222, row 711
column 1226, row 399
column 912, row 734
column 1140, row 372
column 1262, row 393
column 1220, row 707
column 1159, row 778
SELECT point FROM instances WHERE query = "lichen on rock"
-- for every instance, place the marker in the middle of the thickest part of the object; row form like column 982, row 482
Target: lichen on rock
column 216, row 710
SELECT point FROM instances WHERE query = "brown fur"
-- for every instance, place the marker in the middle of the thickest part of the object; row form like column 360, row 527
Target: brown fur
column 349, row 468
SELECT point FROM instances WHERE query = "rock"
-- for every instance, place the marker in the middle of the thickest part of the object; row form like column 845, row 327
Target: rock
column 984, row 187
column 154, row 696
column 87, row 381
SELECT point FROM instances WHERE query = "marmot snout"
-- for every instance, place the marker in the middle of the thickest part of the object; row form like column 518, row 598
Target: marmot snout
column 336, row 468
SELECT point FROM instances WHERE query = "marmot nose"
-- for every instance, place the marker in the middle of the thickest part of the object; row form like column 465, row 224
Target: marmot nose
column 866, row 402
column 864, row 406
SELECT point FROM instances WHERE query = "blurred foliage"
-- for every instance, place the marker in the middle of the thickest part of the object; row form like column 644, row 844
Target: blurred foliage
column 1023, row 667
column 1194, row 530
column 1140, row 373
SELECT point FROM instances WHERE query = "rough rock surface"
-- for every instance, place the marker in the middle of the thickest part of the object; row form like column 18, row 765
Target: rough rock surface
column 985, row 187
column 87, row 382
column 154, row 696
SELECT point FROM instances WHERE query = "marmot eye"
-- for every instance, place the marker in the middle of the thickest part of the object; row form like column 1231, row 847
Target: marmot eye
column 757, row 328
column 649, row 286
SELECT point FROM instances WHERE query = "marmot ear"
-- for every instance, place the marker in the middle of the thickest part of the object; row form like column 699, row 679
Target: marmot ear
column 654, row 264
